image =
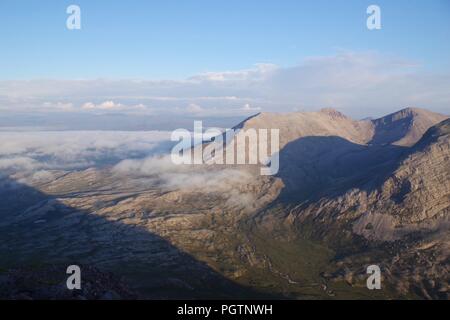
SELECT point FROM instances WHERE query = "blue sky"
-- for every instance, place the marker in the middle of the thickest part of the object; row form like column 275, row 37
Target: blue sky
column 177, row 39
column 224, row 57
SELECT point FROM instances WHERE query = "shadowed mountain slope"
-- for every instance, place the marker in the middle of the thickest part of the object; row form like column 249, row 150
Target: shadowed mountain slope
column 405, row 127
column 45, row 234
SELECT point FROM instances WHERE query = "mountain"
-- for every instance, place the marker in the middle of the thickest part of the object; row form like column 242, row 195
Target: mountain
column 326, row 122
column 349, row 194
column 405, row 127
column 403, row 218
column 327, row 150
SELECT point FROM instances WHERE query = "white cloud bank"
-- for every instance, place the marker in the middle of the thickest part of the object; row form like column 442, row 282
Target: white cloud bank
column 358, row 84
column 169, row 175
column 159, row 170
column 31, row 152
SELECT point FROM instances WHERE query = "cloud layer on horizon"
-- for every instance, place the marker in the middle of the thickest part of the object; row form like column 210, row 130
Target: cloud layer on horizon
column 31, row 153
column 358, row 84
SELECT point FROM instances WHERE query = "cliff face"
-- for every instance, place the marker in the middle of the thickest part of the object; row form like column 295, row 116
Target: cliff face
column 415, row 193
column 405, row 127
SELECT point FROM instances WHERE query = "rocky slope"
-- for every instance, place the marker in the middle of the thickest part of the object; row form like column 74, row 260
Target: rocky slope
column 50, row 284
column 403, row 218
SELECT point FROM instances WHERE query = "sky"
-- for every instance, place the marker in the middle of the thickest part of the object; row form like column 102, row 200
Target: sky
column 224, row 57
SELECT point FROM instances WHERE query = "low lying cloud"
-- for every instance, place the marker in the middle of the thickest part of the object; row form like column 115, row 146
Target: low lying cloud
column 30, row 152
column 160, row 171
column 169, row 175
column 132, row 154
column 358, row 84
column 142, row 158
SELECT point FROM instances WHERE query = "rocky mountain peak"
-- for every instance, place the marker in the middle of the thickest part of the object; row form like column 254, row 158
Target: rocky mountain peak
column 404, row 127
column 332, row 113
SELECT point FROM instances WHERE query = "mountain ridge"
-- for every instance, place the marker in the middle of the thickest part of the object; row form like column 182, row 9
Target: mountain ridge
column 414, row 122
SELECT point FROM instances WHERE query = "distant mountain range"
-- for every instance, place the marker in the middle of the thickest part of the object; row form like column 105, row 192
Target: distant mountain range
column 349, row 194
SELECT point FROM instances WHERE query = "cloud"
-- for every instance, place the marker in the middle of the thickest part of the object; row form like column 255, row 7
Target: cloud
column 137, row 157
column 62, row 106
column 107, row 105
column 260, row 72
column 18, row 163
column 112, row 106
column 194, row 108
column 159, row 170
column 29, row 152
column 248, row 107
column 197, row 110
column 358, row 84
